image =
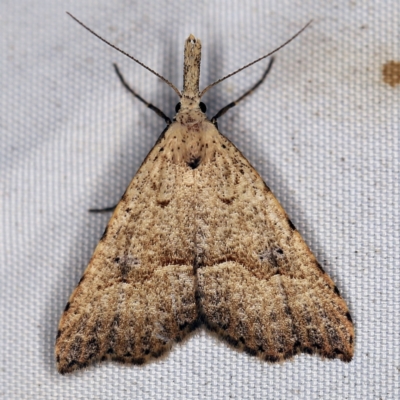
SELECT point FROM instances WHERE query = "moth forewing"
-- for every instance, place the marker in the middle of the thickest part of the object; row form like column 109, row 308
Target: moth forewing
column 198, row 238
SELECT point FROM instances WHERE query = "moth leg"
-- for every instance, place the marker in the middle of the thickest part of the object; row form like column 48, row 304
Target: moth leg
column 149, row 105
column 102, row 210
column 221, row 112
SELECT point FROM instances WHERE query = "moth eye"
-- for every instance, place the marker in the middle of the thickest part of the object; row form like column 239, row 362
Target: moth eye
column 203, row 107
column 178, row 107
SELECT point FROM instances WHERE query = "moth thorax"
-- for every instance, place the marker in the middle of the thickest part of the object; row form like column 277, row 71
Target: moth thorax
column 191, row 67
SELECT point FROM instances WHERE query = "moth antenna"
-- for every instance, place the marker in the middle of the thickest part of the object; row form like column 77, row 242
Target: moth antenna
column 128, row 55
column 255, row 61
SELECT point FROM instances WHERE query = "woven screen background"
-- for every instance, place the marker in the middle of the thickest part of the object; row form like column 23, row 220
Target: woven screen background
column 323, row 131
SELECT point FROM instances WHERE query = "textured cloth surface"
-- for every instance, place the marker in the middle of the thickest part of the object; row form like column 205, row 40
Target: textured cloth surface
column 323, row 131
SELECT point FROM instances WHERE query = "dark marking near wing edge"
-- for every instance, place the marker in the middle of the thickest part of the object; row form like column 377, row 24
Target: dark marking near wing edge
column 336, row 290
column 71, row 365
column 80, row 280
column 104, row 233
column 266, row 187
column 58, row 334
column 297, row 346
column 291, row 224
column 124, row 196
column 320, row 267
column 138, row 361
column 289, row 354
column 307, row 350
column 338, row 352
column 156, row 354
column 233, row 342
column 67, row 307
column 250, row 351
column 183, row 326
column 348, row 316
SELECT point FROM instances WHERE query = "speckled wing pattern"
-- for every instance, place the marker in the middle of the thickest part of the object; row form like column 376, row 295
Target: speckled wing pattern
column 198, row 238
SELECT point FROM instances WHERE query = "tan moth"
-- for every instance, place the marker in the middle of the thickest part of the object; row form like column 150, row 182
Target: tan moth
column 199, row 239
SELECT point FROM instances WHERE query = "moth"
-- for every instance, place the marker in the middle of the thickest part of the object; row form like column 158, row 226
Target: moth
column 199, row 239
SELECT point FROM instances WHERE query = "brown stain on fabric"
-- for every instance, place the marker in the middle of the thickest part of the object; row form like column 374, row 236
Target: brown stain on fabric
column 391, row 73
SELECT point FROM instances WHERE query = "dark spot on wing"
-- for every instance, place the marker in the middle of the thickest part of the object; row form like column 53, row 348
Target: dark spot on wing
column 71, row 365
column 194, row 162
column 348, row 316
column 289, row 354
column 163, row 203
column 250, row 351
column 337, row 352
column 336, row 290
column 124, row 196
column 307, row 350
column 138, row 361
column 233, row 342
column 291, row 224
column 227, row 201
column 320, row 267
column 346, row 357
column 271, row 358
column 183, row 326
column 156, row 354
column 67, row 307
